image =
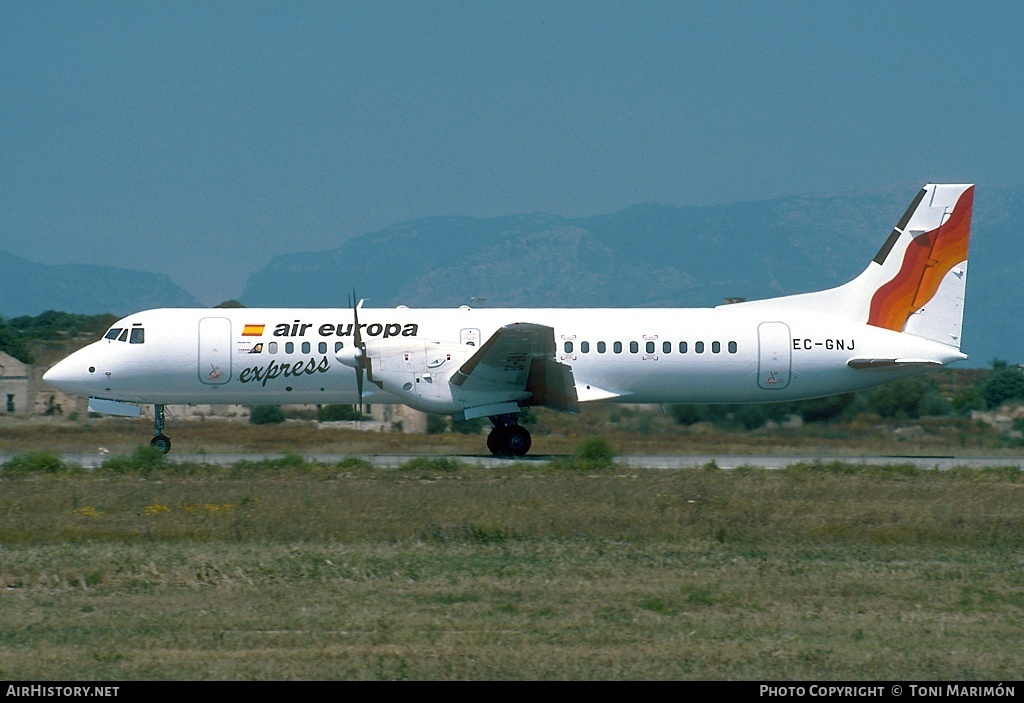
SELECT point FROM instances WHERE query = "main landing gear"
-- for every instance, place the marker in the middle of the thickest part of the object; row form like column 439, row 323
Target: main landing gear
column 508, row 438
column 160, row 440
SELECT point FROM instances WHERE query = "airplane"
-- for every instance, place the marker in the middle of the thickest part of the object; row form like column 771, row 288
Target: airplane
column 902, row 316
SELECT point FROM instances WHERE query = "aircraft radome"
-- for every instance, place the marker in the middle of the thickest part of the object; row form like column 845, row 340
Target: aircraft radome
column 901, row 316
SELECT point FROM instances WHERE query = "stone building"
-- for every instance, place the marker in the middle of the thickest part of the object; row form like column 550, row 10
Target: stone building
column 14, row 386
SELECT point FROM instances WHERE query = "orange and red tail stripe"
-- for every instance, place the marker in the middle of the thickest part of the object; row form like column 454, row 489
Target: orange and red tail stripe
column 927, row 260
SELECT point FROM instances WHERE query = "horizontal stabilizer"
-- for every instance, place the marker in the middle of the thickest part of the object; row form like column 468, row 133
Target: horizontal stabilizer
column 882, row 363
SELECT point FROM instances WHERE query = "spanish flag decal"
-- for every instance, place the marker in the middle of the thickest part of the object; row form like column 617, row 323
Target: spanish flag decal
column 253, row 330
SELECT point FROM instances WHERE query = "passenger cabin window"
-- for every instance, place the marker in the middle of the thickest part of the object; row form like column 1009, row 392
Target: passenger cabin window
column 272, row 347
column 698, row 347
column 682, row 347
column 568, row 347
column 322, row 347
column 305, row 347
column 601, row 347
column 666, row 347
column 634, row 347
column 585, row 347
column 289, row 347
column 617, row 347
column 716, row 347
column 338, row 346
column 732, row 347
column 650, row 347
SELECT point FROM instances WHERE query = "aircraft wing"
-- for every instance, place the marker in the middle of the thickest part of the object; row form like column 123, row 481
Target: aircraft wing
column 520, row 359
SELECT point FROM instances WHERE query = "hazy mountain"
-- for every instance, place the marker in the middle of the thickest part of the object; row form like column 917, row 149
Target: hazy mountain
column 645, row 255
column 29, row 288
column 653, row 255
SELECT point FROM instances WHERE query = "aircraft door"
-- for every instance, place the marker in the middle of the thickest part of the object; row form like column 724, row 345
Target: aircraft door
column 774, row 360
column 215, row 350
column 469, row 337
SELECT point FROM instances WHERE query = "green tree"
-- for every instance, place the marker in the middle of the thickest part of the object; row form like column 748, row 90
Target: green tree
column 333, row 413
column 468, row 426
column 1002, row 386
column 910, row 397
column 13, row 343
column 266, row 415
column 437, row 424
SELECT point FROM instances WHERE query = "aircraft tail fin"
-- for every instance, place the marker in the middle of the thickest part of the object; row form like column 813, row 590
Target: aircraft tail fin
column 923, row 266
column 916, row 282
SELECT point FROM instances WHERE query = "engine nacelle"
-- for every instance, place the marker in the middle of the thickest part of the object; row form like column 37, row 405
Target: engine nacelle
column 418, row 371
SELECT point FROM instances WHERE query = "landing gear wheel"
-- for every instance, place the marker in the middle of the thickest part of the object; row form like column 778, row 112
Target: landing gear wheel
column 518, row 440
column 494, row 441
column 509, row 440
column 161, row 442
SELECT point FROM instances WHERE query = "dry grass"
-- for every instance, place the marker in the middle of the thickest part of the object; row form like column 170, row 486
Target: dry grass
column 631, row 430
column 437, row 571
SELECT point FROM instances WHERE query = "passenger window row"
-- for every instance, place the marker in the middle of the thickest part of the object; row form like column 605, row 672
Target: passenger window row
column 651, row 347
column 305, row 347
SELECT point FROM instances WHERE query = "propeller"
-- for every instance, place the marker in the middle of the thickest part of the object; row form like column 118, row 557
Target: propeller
column 362, row 361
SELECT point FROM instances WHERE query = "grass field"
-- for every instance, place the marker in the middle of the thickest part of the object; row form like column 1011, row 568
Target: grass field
column 631, row 430
column 439, row 570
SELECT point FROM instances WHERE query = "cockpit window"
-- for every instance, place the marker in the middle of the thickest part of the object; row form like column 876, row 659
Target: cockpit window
column 134, row 335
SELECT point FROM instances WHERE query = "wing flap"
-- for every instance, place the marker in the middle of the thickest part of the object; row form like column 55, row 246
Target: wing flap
column 519, row 360
column 552, row 386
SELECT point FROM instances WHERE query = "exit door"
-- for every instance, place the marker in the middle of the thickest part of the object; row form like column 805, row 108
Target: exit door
column 215, row 350
column 774, row 360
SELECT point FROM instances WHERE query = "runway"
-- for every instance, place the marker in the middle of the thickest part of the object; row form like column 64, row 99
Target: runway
column 675, row 461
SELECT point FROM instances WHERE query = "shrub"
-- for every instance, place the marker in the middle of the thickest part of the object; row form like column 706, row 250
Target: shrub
column 142, row 459
column 433, row 464
column 468, row 426
column 336, row 413
column 595, row 451
column 43, row 462
column 823, row 409
column 1003, row 385
column 437, row 424
column 911, row 397
column 266, row 415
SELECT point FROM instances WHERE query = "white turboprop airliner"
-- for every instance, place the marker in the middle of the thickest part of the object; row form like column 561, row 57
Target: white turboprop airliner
column 900, row 317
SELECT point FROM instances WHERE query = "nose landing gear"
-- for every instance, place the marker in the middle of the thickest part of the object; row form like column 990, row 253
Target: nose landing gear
column 160, row 440
column 508, row 438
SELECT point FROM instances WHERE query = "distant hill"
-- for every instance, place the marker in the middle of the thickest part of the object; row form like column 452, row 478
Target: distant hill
column 29, row 288
column 646, row 255
column 654, row 255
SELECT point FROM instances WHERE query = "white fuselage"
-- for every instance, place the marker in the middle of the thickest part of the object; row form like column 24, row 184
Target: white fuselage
column 730, row 354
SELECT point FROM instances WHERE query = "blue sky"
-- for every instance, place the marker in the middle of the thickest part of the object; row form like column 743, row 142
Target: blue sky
column 200, row 139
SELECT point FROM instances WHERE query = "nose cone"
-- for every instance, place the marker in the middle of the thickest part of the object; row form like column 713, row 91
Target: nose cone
column 67, row 376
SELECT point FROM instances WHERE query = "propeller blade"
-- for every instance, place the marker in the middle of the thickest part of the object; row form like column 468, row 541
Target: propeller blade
column 361, row 360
